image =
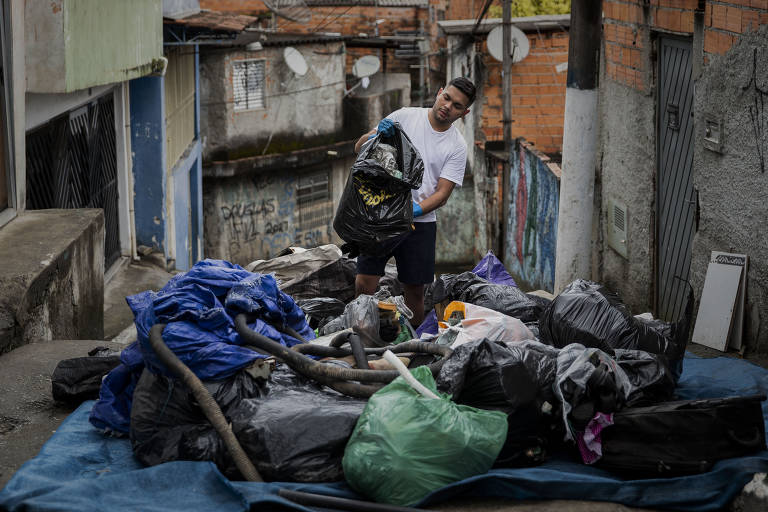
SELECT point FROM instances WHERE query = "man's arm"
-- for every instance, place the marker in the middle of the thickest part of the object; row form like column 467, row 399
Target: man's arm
column 439, row 198
column 362, row 140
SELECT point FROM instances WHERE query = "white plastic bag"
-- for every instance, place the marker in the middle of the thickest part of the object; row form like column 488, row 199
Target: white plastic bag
column 477, row 322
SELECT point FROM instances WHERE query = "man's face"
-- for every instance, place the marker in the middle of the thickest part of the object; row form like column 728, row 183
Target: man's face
column 450, row 105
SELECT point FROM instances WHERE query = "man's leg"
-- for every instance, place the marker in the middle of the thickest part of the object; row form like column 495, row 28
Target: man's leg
column 415, row 259
column 414, row 299
column 367, row 284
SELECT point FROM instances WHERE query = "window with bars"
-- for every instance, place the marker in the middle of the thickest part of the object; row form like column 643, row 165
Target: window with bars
column 313, row 195
column 248, row 83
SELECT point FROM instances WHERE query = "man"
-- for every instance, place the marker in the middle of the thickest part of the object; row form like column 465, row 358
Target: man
column 444, row 153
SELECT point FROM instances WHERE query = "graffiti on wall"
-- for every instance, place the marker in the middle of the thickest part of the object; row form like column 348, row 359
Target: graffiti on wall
column 534, row 197
column 757, row 111
column 257, row 219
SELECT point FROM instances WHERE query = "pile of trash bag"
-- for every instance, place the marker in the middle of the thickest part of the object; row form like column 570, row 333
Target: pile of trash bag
column 519, row 377
column 471, row 288
column 376, row 209
column 587, row 313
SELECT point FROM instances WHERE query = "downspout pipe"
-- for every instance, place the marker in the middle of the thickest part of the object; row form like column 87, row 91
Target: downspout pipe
column 574, row 223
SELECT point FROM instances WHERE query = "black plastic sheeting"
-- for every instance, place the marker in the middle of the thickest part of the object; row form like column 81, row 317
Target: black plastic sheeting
column 298, row 432
column 336, row 280
column 291, row 428
column 321, row 310
column 589, row 314
column 468, row 287
column 376, row 208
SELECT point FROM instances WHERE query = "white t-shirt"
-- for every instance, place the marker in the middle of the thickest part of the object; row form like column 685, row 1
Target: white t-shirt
column 444, row 153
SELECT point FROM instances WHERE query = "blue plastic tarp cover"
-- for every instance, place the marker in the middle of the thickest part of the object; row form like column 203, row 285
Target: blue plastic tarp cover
column 80, row 469
column 199, row 308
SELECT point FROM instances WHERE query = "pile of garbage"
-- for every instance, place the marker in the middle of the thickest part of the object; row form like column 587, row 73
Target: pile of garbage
column 277, row 372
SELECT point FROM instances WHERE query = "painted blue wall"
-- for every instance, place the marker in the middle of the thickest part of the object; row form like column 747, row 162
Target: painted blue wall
column 533, row 201
column 148, row 156
column 148, row 144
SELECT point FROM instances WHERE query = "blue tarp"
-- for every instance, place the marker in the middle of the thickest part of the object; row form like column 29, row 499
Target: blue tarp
column 199, row 308
column 80, row 469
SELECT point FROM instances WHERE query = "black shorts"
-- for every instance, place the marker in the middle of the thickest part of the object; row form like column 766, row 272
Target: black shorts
column 415, row 257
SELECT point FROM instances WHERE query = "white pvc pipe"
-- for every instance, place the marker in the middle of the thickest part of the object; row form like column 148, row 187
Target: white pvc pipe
column 574, row 221
column 409, row 378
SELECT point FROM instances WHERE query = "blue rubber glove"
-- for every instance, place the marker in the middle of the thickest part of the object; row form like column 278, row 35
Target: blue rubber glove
column 386, row 127
column 417, row 210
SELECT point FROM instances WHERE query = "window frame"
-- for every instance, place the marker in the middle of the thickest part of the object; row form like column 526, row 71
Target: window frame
column 246, row 62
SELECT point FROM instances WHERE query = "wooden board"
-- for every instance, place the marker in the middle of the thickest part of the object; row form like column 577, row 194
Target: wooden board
column 718, row 301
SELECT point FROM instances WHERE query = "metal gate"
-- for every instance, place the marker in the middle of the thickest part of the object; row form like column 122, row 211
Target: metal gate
column 674, row 188
column 72, row 163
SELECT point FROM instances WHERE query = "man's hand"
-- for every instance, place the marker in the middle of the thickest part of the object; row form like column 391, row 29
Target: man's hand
column 386, row 127
column 417, row 210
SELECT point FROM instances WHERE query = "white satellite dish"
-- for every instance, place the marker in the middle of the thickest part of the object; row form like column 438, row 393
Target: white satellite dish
column 519, row 47
column 295, row 60
column 365, row 66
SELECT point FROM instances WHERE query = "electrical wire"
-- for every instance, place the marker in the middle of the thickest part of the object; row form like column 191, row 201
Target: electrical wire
column 336, row 18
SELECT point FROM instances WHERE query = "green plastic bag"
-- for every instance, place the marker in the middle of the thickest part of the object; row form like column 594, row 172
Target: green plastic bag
column 405, row 446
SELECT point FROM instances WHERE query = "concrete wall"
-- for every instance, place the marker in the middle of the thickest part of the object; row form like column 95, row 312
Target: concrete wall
column 75, row 44
column 52, row 277
column 250, row 217
column 455, row 244
column 364, row 108
column 300, row 111
column 533, row 202
column 732, row 183
column 727, row 39
column 628, row 141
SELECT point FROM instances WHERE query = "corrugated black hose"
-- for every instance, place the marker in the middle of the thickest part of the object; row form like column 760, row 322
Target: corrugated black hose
column 331, row 375
column 207, row 403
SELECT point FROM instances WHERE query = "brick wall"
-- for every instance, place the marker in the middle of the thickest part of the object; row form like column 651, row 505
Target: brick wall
column 627, row 26
column 626, row 36
column 463, row 9
column 724, row 21
column 537, row 91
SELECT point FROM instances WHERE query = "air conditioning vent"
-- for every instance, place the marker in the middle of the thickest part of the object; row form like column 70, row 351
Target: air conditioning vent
column 617, row 227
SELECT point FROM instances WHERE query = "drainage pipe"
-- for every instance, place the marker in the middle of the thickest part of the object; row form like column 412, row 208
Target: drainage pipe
column 209, row 406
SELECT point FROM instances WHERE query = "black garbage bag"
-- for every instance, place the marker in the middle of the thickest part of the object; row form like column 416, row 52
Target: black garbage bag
column 320, row 310
column 469, row 287
column 297, row 432
column 589, row 381
column 376, row 208
column 652, row 381
column 589, row 314
column 515, row 378
column 78, row 379
column 167, row 424
column 291, row 428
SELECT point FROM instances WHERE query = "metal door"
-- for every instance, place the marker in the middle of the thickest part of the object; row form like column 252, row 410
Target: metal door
column 675, row 201
column 72, row 163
